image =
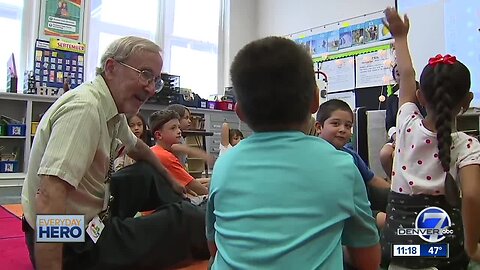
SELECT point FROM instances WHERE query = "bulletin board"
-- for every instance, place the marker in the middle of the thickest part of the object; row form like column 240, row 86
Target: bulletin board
column 54, row 64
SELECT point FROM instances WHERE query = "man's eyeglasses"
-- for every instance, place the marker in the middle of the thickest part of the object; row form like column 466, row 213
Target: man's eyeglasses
column 147, row 77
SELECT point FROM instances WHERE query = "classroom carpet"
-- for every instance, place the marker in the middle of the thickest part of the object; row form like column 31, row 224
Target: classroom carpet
column 13, row 251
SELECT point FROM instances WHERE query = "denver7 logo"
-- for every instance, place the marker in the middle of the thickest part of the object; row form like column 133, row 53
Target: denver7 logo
column 433, row 224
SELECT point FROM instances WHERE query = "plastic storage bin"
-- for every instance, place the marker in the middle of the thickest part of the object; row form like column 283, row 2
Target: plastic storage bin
column 3, row 130
column 16, row 129
column 211, row 105
column 224, row 105
column 34, row 128
column 9, row 166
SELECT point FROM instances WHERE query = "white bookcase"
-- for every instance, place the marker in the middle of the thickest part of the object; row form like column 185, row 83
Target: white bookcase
column 25, row 108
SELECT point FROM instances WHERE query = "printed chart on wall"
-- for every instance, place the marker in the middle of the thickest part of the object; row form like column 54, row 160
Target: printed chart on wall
column 373, row 69
column 340, row 74
column 347, row 96
column 63, row 18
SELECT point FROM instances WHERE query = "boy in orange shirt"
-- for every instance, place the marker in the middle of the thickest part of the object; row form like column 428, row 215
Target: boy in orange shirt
column 165, row 125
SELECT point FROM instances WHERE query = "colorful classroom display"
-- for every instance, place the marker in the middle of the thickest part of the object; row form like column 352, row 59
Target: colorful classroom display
column 63, row 18
column 345, row 37
column 58, row 62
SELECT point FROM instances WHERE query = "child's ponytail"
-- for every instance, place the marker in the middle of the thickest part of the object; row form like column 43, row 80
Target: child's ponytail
column 444, row 83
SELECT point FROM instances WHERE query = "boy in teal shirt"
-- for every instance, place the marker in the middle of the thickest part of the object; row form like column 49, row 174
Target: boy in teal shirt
column 282, row 199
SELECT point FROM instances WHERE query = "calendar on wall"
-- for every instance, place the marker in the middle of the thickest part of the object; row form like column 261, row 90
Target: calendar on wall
column 58, row 62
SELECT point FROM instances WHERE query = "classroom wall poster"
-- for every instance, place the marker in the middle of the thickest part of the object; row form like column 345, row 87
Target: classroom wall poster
column 348, row 97
column 373, row 69
column 333, row 41
column 345, row 37
column 358, row 37
column 319, row 43
column 63, row 18
column 340, row 74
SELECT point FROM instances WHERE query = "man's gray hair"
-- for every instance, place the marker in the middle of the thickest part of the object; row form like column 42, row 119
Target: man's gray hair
column 122, row 48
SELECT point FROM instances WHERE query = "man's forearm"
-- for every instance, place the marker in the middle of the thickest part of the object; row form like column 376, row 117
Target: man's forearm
column 48, row 256
column 51, row 199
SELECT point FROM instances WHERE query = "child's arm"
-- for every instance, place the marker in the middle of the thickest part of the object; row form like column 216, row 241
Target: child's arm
column 399, row 30
column 469, row 176
column 193, row 152
column 225, row 140
column 197, row 187
column 360, row 234
column 367, row 258
column 379, row 182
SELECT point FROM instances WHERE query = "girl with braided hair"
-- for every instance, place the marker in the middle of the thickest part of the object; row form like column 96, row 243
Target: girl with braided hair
column 432, row 161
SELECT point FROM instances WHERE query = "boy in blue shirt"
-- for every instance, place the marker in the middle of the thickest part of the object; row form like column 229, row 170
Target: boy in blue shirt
column 282, row 199
column 334, row 124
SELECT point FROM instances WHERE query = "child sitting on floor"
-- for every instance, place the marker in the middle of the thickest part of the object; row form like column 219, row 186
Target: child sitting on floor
column 181, row 150
column 229, row 138
column 334, row 124
column 281, row 199
column 166, row 131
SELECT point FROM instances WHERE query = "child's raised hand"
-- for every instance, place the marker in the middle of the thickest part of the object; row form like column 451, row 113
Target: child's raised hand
column 397, row 26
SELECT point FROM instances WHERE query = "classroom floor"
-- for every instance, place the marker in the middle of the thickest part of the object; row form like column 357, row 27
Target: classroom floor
column 13, row 251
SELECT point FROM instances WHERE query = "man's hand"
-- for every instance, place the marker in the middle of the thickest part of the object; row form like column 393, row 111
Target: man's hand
column 394, row 23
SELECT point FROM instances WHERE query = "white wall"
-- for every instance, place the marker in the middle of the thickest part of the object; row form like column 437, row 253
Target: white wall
column 283, row 17
column 241, row 29
column 427, row 33
column 252, row 19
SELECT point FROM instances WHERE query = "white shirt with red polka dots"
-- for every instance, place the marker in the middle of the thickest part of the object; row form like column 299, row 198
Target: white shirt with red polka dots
column 416, row 167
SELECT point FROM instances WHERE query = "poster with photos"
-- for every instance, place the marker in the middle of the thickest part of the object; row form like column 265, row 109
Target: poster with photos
column 319, row 43
column 358, row 36
column 333, row 41
column 53, row 67
column 345, row 37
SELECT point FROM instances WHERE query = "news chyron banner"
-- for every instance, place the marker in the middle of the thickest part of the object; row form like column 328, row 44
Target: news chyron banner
column 60, row 228
column 432, row 225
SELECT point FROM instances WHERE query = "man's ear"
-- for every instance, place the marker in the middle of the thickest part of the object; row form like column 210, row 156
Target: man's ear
column 109, row 68
column 239, row 111
column 315, row 102
column 318, row 127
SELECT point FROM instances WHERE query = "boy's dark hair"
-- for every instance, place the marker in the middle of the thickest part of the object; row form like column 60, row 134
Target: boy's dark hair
column 328, row 107
column 234, row 132
column 274, row 83
column 178, row 108
column 159, row 118
column 444, row 87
